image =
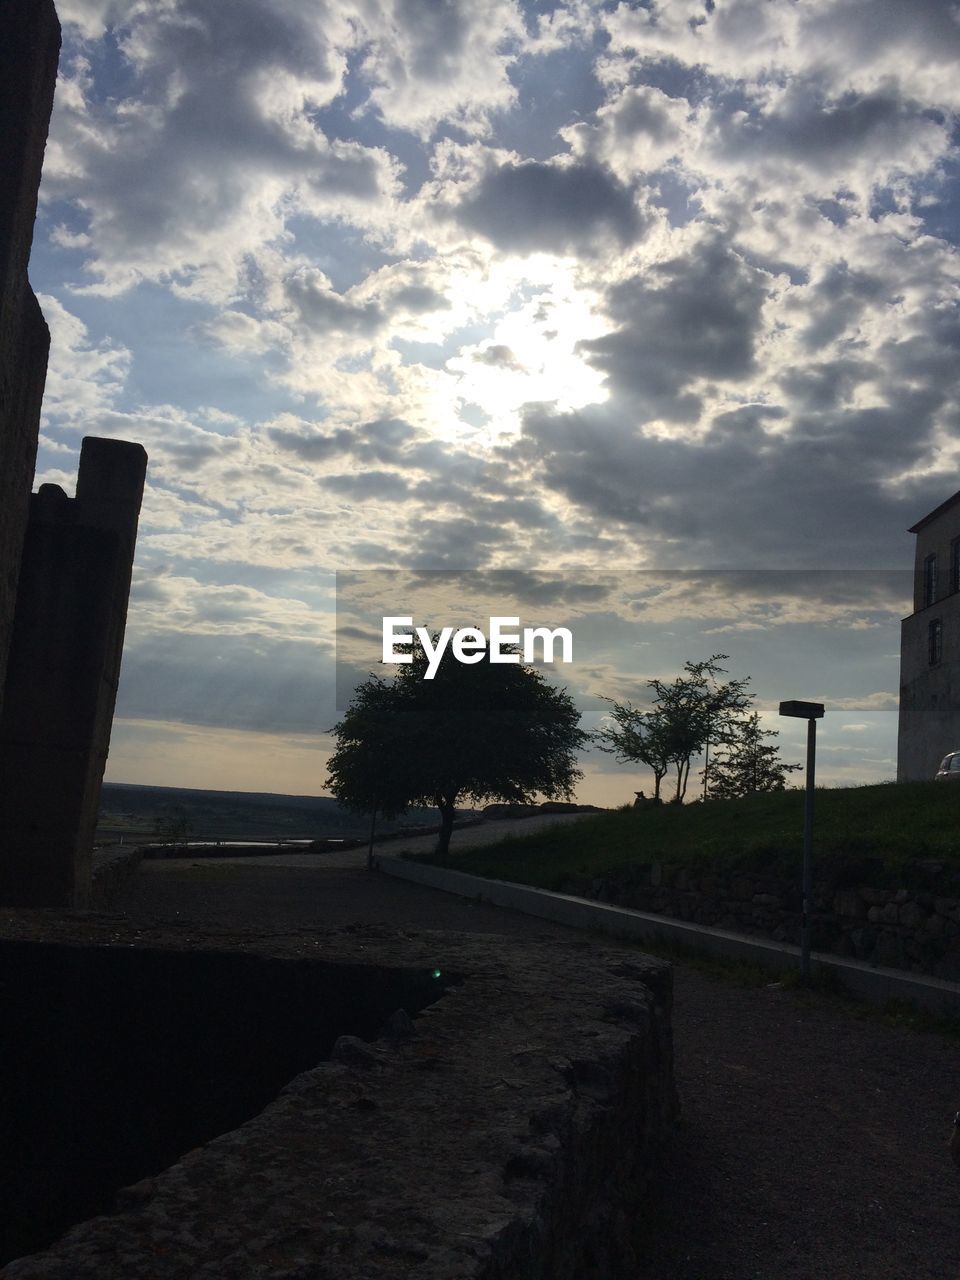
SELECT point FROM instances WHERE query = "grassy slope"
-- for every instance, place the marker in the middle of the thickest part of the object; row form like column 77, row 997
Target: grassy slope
column 897, row 823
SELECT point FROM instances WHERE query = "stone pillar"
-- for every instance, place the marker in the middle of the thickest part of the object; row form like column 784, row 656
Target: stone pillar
column 62, row 675
column 29, row 53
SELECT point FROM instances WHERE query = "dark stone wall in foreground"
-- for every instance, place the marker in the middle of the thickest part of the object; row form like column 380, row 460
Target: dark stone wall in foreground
column 515, row 1135
column 62, row 675
column 29, row 52
column 65, row 563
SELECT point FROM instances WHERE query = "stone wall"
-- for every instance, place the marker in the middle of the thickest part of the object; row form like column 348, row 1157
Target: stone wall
column 914, row 925
column 515, row 1135
column 62, row 674
column 29, row 52
column 111, row 869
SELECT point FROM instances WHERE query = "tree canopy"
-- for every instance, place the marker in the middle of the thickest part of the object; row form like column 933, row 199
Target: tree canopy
column 638, row 736
column 747, row 764
column 483, row 731
column 689, row 714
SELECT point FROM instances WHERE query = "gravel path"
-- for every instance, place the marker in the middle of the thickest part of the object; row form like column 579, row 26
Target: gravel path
column 812, row 1145
column 462, row 838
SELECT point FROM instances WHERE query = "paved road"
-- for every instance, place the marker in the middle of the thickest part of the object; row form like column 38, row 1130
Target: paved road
column 465, row 838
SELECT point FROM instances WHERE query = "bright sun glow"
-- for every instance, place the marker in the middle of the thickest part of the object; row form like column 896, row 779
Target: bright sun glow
column 531, row 356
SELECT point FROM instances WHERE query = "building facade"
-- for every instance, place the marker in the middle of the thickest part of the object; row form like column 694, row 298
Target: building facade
column 930, row 648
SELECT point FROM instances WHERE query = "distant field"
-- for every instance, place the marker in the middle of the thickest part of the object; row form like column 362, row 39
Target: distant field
column 148, row 813
column 893, row 822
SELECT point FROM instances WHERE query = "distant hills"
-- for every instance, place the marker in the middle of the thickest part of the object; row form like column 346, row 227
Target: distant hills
column 138, row 812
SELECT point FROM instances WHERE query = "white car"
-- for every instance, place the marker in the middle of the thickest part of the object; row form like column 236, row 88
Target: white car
column 949, row 768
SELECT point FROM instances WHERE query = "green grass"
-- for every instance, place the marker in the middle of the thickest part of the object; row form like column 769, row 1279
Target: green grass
column 892, row 823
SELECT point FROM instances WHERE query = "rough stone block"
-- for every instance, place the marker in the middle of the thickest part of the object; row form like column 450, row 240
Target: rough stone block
column 911, row 915
column 934, row 926
column 29, row 52
column 62, row 675
column 889, row 949
column 849, row 905
column 864, row 941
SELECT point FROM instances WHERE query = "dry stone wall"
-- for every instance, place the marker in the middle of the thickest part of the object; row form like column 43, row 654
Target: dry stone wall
column 858, row 913
column 515, row 1135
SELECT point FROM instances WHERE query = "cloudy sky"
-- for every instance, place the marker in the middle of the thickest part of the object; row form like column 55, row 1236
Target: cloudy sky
column 594, row 288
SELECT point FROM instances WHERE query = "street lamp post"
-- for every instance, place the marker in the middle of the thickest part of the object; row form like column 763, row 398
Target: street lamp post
column 373, row 828
column 811, row 712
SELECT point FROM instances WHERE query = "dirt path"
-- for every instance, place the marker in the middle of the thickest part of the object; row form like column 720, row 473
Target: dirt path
column 462, row 838
column 813, row 1143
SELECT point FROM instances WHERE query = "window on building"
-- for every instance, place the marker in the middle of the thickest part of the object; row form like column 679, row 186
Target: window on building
column 935, row 641
column 955, row 565
column 930, row 579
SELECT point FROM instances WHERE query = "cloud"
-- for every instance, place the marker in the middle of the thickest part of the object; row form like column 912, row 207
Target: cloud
column 384, row 486
column 433, row 61
column 199, row 161
column 881, row 700
column 638, row 131
column 84, row 375
column 856, row 141
column 143, row 751
column 692, row 317
column 498, row 356
column 534, row 207
column 847, row 44
column 324, row 310
column 233, row 682
column 163, row 602
column 740, row 499
column 242, row 334
column 381, row 441
column 90, row 16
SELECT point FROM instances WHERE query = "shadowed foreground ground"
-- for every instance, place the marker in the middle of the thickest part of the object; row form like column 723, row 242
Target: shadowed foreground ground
column 813, row 1143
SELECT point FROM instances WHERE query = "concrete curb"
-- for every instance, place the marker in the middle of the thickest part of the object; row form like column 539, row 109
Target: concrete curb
column 878, row 985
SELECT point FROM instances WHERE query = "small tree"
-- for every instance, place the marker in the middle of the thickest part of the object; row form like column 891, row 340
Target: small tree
column 172, row 826
column 495, row 731
column 689, row 714
column 699, row 709
column 748, row 764
column 637, row 737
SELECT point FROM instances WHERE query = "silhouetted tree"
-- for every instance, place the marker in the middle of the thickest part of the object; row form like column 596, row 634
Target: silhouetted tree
column 689, row 714
column 367, row 771
column 637, row 737
column 172, row 826
column 700, row 709
column 486, row 731
column 747, row 764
